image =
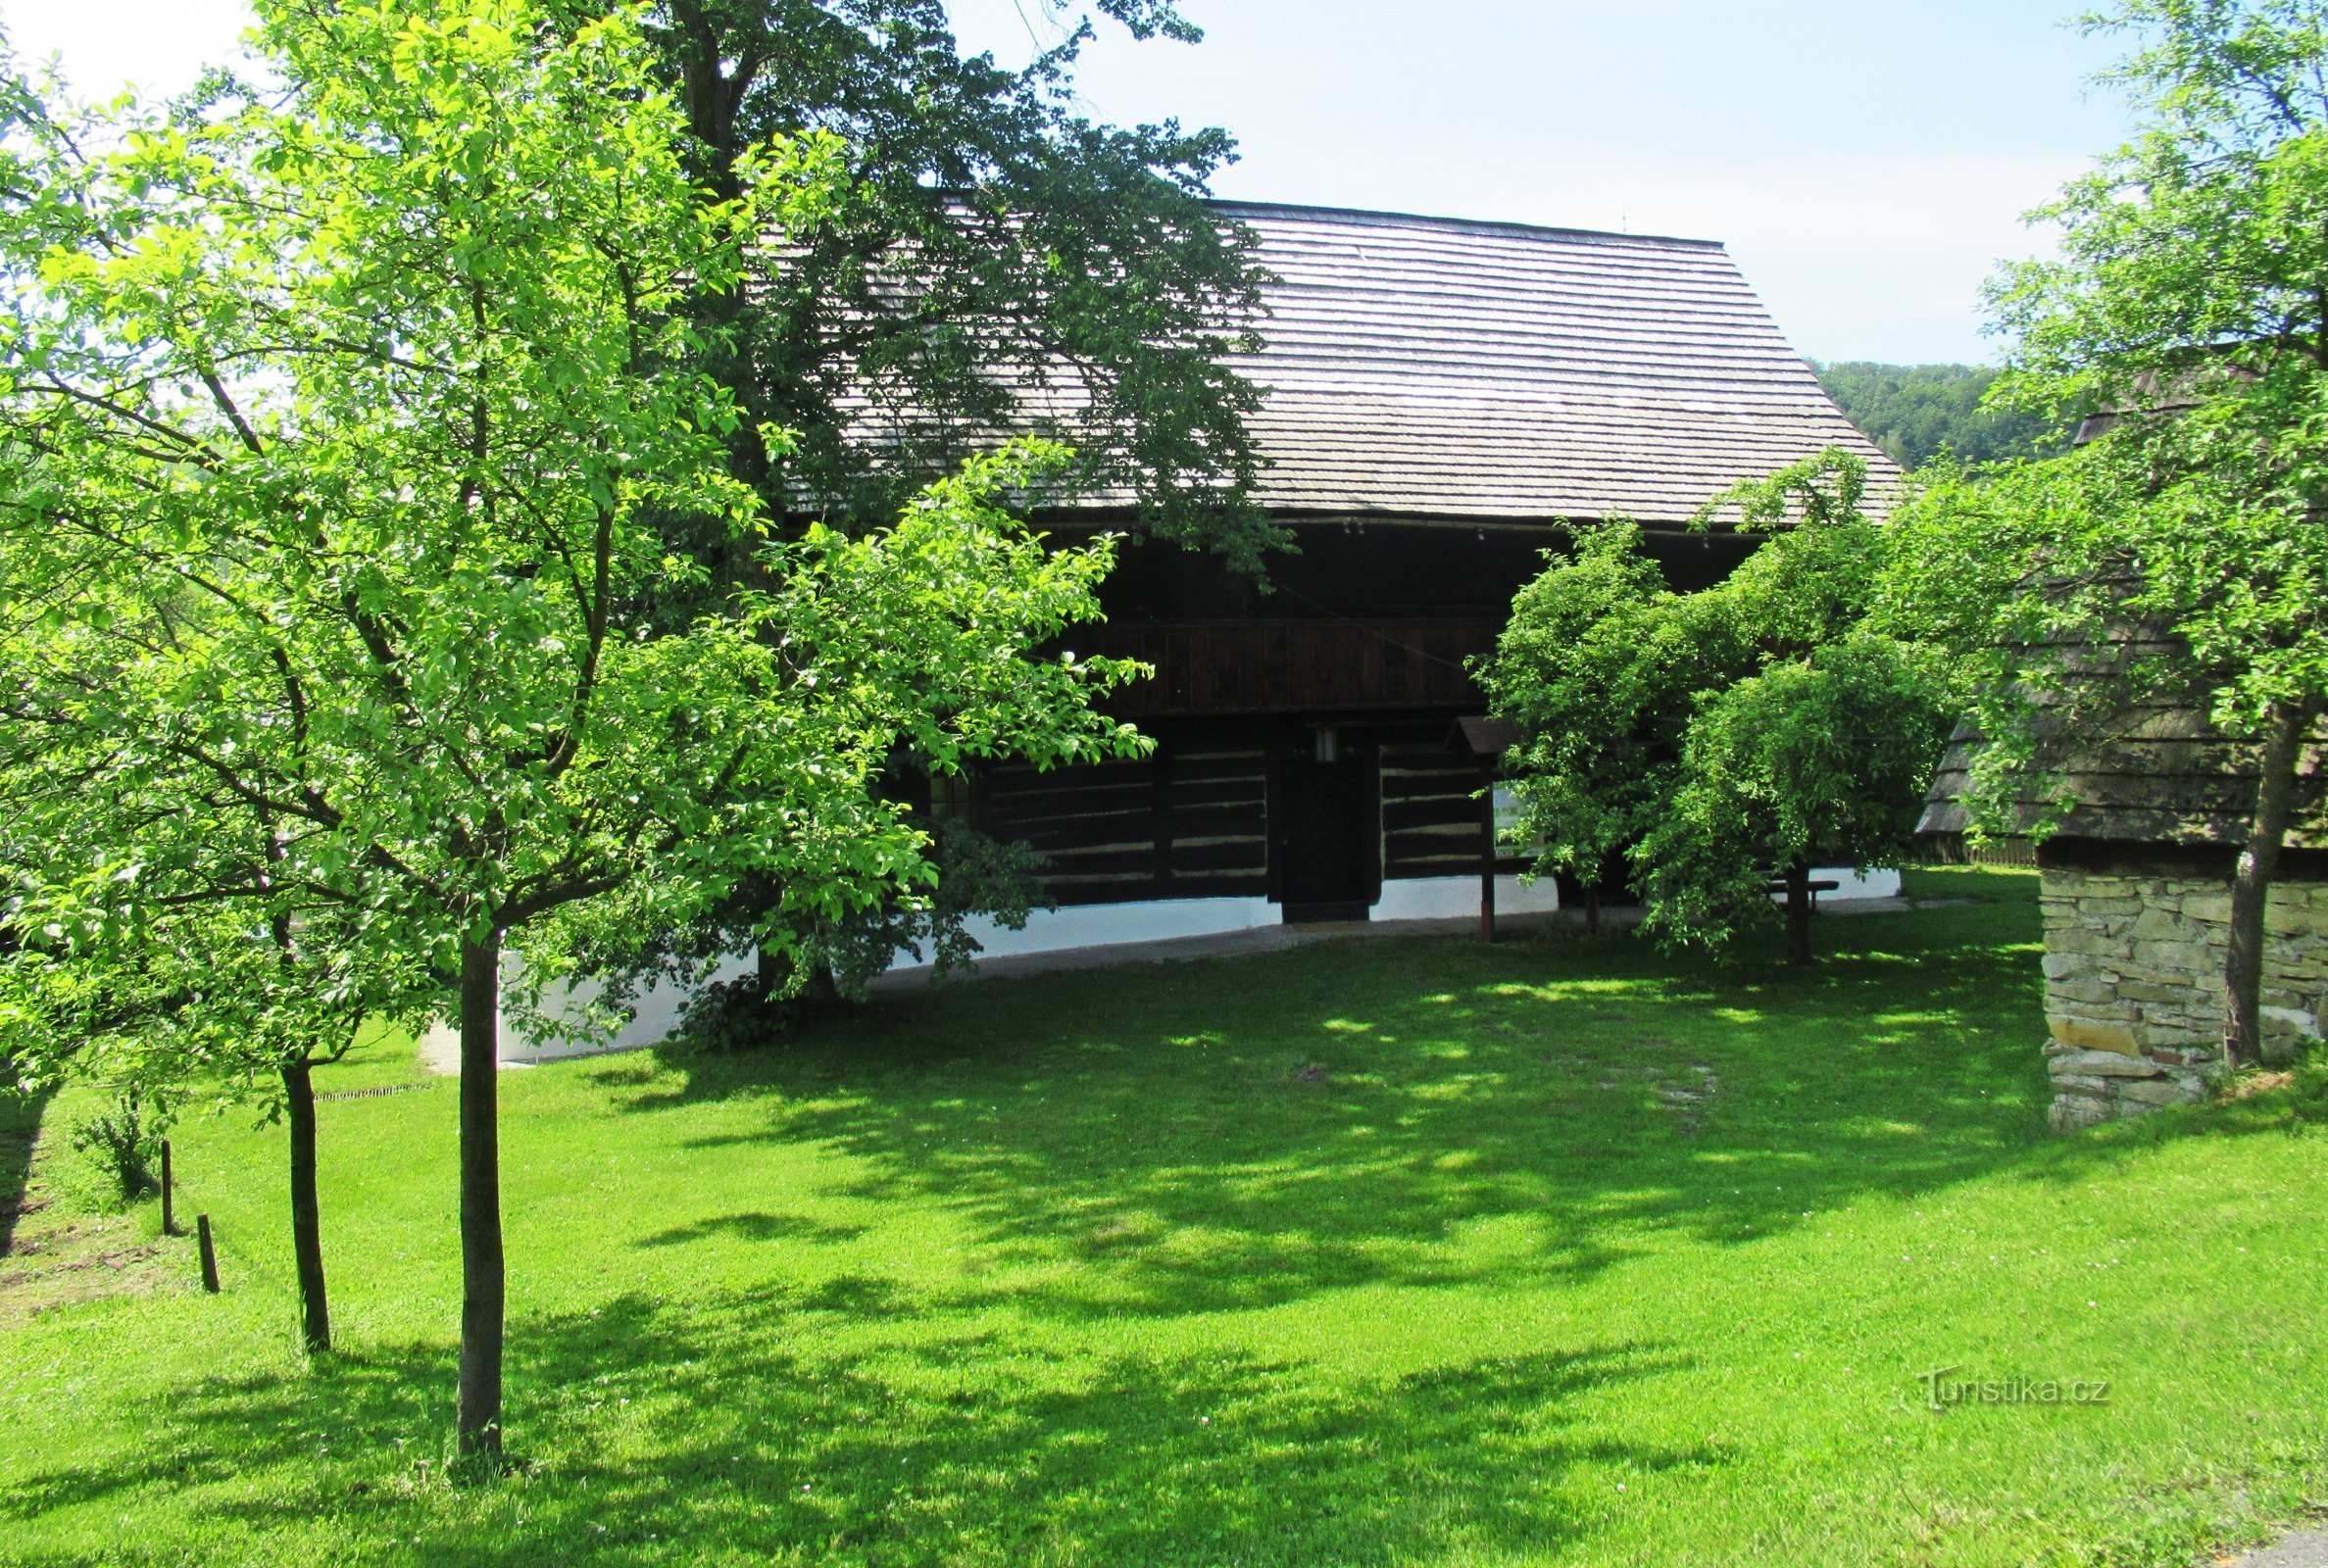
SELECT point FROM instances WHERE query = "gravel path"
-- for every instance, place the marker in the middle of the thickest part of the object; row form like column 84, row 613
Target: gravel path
column 2306, row 1548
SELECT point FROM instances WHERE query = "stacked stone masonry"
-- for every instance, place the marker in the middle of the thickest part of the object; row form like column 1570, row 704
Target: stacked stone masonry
column 2134, row 986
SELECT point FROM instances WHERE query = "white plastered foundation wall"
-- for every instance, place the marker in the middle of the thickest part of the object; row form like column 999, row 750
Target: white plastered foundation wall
column 1445, row 897
column 1103, row 925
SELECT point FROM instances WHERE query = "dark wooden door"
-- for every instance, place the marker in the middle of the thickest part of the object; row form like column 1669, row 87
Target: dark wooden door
column 1325, row 838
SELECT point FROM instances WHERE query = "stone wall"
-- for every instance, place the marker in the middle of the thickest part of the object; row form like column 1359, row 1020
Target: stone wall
column 2134, row 985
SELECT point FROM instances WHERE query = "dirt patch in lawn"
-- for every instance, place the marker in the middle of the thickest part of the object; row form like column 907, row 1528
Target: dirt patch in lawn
column 1685, row 1089
column 52, row 1257
column 2256, row 1081
column 1688, row 1093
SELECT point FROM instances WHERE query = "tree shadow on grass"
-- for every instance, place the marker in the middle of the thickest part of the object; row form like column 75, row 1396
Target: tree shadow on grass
column 2289, row 1104
column 754, row 1226
column 1211, row 1135
column 704, row 1423
column 20, row 1130
column 1237, row 1134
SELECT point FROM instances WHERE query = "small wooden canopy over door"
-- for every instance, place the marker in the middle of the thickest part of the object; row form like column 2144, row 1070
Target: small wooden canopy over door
column 1488, row 739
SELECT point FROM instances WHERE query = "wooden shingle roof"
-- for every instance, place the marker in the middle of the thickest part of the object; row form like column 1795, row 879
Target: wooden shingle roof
column 2165, row 778
column 2139, row 767
column 1434, row 367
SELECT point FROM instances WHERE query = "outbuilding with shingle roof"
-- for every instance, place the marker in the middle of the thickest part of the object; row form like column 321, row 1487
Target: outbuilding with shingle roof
column 2144, row 804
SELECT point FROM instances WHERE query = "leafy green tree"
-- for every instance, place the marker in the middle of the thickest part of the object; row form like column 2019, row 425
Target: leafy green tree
column 1719, row 739
column 338, row 416
column 216, row 977
column 2188, row 307
column 1816, row 760
column 988, row 260
column 1917, row 412
column 1598, row 667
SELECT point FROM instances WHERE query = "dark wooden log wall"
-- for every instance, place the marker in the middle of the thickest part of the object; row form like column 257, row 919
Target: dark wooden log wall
column 1187, row 824
column 1192, row 822
column 1378, row 569
column 1367, row 628
column 1327, row 668
column 1430, row 811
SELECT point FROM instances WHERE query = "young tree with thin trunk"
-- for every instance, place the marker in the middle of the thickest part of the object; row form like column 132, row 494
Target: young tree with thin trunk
column 1723, row 740
column 182, row 977
column 2188, row 309
column 339, row 417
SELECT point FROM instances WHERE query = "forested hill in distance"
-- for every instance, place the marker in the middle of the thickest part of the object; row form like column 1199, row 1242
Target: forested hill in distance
column 1912, row 410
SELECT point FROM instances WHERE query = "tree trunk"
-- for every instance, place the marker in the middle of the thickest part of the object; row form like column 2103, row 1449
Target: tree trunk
column 478, row 1414
column 307, row 1225
column 2250, row 884
column 711, row 89
column 1798, row 913
column 1592, row 911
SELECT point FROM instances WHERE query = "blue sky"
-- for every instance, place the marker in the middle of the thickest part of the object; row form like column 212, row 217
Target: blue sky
column 1868, row 163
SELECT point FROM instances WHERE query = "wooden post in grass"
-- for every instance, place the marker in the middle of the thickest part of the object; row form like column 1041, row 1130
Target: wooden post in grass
column 1486, row 740
column 1487, row 852
column 169, row 1213
column 210, row 1256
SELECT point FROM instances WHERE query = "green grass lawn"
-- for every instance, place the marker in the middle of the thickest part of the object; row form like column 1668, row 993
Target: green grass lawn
column 1390, row 1251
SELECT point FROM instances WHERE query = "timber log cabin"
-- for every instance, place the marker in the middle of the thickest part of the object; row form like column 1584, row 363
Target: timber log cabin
column 1441, row 399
